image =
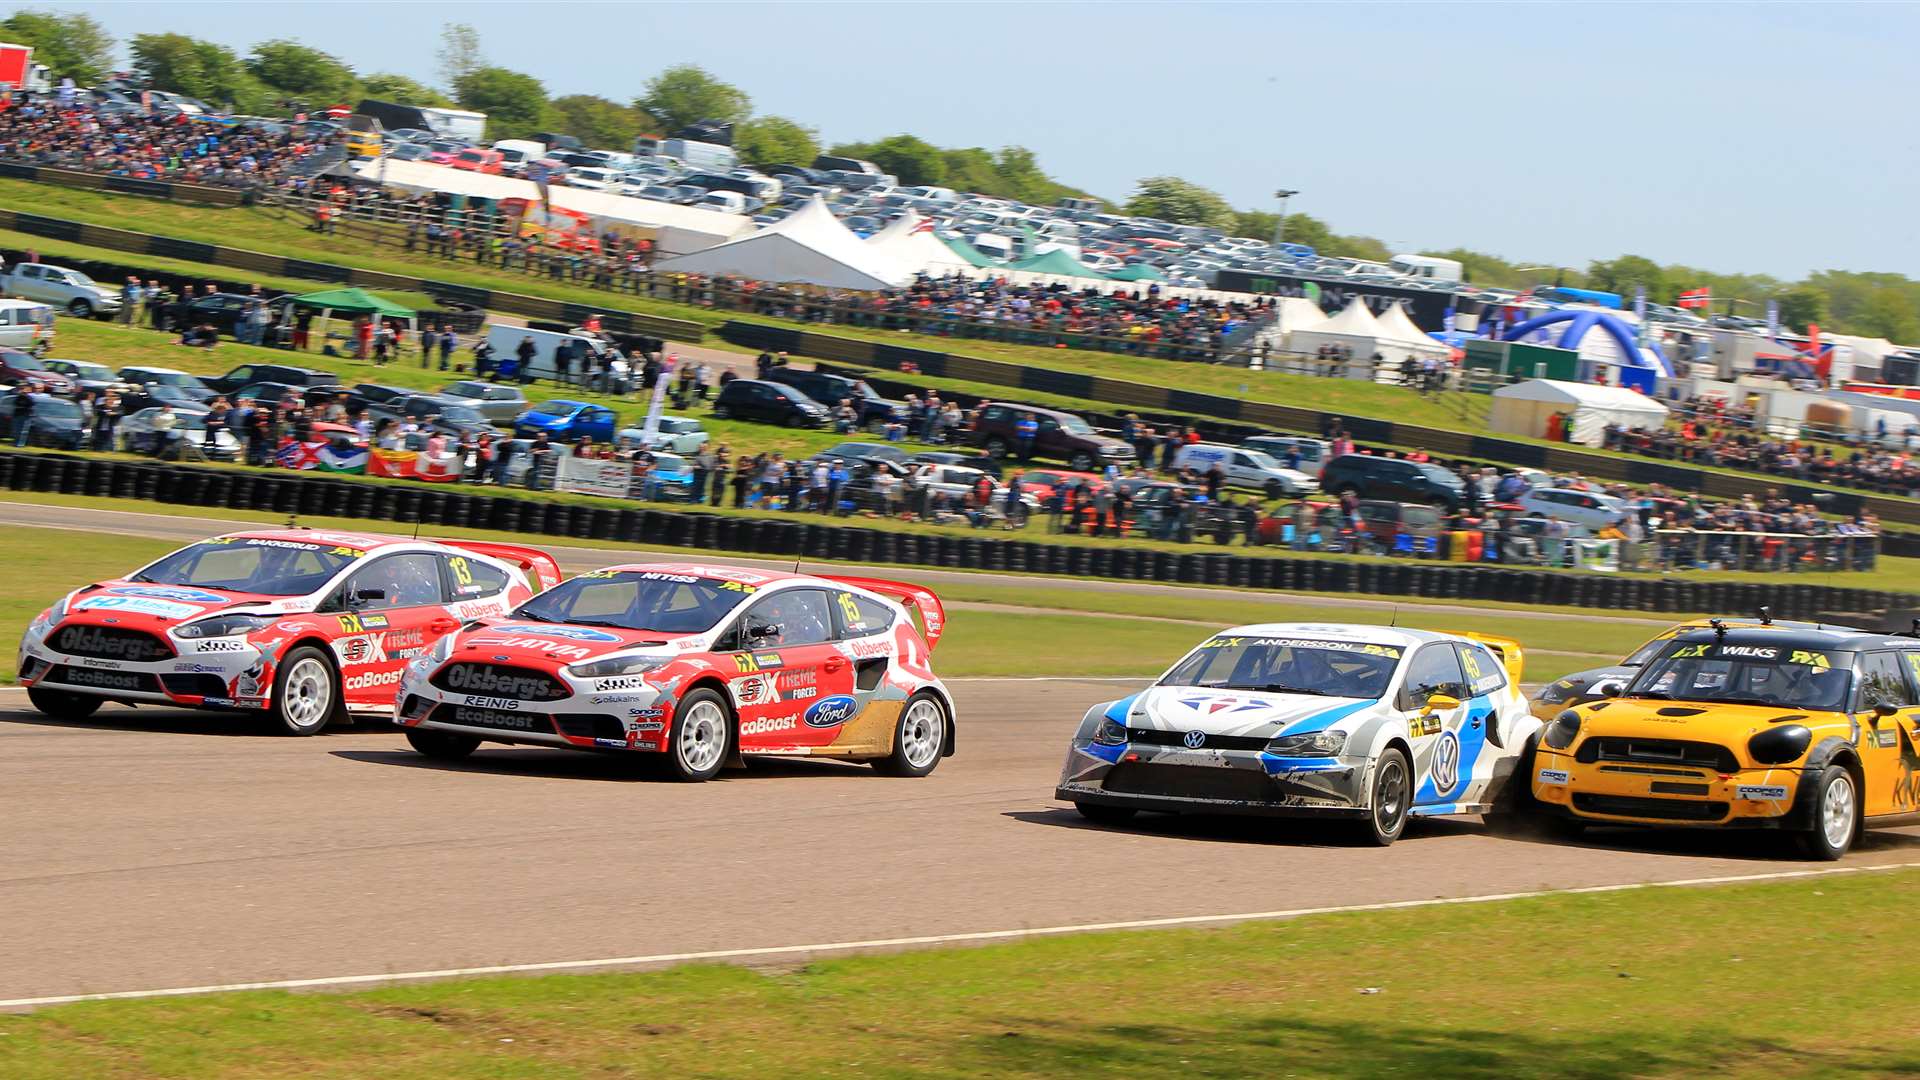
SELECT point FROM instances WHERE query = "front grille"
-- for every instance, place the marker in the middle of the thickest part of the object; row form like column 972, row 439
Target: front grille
column 1152, row 737
column 591, row 727
column 1664, row 809
column 1190, row 782
column 500, row 680
column 201, row 685
column 1648, row 770
column 1696, row 755
column 133, row 682
column 494, row 719
column 110, row 643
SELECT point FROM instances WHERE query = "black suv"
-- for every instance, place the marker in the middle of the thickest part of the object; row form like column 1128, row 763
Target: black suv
column 769, row 403
column 1393, row 479
column 248, row 374
column 1058, row 435
column 831, row 390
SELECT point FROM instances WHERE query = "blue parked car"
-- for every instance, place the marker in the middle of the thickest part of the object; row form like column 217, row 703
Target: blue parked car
column 566, row 421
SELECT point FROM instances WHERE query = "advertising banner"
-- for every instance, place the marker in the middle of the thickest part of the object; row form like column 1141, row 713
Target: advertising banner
column 594, row 476
column 412, row 465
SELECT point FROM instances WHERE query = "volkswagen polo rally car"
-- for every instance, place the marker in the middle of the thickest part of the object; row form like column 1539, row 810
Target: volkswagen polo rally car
column 1292, row 719
column 697, row 664
column 306, row 625
column 1812, row 732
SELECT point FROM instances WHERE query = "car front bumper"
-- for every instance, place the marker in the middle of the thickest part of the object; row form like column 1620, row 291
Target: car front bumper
column 238, row 676
column 1613, row 792
column 1246, row 782
column 623, row 717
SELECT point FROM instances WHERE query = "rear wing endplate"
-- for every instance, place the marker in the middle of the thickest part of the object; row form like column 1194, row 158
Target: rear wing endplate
column 932, row 615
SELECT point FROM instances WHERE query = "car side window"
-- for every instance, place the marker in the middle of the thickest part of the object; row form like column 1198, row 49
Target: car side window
column 470, row 578
column 410, row 580
column 860, row 616
column 1483, row 673
column 788, row 618
column 1883, row 680
column 1435, row 669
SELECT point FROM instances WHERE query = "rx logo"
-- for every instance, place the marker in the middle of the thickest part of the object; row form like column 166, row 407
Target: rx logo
column 1446, row 763
column 1195, row 739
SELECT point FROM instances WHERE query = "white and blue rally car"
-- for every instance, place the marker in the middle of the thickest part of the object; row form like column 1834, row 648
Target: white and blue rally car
column 1312, row 720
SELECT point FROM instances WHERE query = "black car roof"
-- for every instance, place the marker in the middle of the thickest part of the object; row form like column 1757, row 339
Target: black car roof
column 1835, row 639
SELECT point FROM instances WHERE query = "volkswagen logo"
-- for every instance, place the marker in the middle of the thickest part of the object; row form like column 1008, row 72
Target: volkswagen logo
column 1195, row 739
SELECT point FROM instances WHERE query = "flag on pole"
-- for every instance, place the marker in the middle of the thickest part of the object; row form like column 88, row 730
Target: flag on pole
column 1640, row 302
column 658, row 405
column 1696, row 298
column 1773, row 319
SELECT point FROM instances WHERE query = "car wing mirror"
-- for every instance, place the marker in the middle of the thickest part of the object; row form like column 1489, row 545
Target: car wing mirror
column 761, row 631
column 361, row 595
column 1884, row 708
column 1441, row 703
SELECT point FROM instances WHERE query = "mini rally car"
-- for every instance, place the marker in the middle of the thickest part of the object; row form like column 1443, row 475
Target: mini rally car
column 697, row 664
column 1292, row 719
column 306, row 625
column 1809, row 731
column 1593, row 684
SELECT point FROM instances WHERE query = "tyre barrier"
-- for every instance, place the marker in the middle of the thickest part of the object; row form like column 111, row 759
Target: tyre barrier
column 783, row 537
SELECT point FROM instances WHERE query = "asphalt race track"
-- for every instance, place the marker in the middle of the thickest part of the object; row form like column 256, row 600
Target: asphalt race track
column 149, row 849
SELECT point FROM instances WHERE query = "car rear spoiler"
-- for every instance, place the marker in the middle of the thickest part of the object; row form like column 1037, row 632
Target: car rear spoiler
column 932, row 615
column 532, row 560
column 1512, row 656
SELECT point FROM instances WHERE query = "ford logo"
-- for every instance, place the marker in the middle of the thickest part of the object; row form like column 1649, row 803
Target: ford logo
column 831, row 712
column 1195, row 739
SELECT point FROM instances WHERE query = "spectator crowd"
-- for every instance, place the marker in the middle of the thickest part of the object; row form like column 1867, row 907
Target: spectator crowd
column 174, row 147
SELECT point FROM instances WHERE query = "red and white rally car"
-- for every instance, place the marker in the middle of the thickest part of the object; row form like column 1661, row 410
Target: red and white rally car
column 697, row 663
column 307, row 625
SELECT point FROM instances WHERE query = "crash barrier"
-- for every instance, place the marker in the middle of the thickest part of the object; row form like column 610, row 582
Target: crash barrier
column 532, row 307
column 126, row 185
column 1271, row 417
column 792, row 538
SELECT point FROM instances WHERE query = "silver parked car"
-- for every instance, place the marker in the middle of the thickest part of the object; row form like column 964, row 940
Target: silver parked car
column 677, row 434
column 498, row 403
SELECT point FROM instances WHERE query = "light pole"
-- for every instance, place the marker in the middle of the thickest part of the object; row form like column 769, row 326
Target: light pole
column 1280, row 226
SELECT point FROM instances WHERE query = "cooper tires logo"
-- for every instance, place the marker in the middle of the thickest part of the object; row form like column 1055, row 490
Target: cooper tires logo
column 1446, row 763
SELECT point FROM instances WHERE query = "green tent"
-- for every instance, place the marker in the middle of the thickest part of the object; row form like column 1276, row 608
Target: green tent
column 1137, row 272
column 352, row 301
column 1057, row 262
column 973, row 254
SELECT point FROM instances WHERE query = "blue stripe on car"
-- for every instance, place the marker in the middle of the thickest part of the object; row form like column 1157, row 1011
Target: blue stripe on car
column 1325, row 719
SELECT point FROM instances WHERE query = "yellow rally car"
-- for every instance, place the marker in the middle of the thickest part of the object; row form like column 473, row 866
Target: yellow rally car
column 1809, row 731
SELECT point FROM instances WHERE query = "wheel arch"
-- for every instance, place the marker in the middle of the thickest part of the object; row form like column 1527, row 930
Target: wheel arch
column 939, row 694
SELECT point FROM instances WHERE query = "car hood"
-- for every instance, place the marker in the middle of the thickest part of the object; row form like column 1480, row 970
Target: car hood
column 145, row 606
column 1577, row 683
column 1239, row 712
column 555, row 645
column 1700, row 721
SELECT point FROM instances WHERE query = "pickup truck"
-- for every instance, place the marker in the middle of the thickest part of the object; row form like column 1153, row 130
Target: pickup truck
column 69, row 290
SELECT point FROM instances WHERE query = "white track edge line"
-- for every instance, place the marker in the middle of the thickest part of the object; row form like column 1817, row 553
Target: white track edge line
column 930, row 939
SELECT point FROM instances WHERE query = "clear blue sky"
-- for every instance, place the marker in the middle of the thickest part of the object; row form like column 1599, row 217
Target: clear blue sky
column 1776, row 139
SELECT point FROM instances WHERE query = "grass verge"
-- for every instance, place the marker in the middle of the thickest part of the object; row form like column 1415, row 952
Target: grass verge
column 1565, row 986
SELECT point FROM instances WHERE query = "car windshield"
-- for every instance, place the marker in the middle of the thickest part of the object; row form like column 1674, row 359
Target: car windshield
column 637, row 600
column 1262, row 460
column 25, row 362
column 450, row 411
column 170, row 378
column 1779, row 676
column 670, row 426
column 46, row 406
column 241, row 564
column 555, row 408
column 1289, row 665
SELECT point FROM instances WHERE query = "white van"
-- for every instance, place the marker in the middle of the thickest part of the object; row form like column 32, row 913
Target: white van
column 518, row 152
column 26, row 325
column 1312, row 453
column 1246, row 468
column 506, row 348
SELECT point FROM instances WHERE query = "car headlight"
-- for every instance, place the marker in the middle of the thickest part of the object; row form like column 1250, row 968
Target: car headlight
column 1110, row 733
column 616, row 665
column 222, row 626
column 52, row 616
column 1312, row 744
column 1561, row 733
column 1780, row 745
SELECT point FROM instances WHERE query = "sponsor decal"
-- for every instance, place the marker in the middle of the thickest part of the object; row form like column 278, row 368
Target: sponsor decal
column 769, row 725
column 362, row 649
column 1213, row 705
column 88, row 661
column 220, row 645
column 797, row 677
column 1810, row 659
column 106, row 644
column 866, row 648
column 372, row 680
column 360, row 624
column 1446, row 763
column 613, row 744
column 1302, row 643
column 479, row 609
column 687, row 644
column 570, row 633
column 647, row 719
column 831, row 711
column 139, row 605
column 1883, row 738
column 616, row 699
column 253, row 682
column 105, row 680
column 504, row 704
column 161, row 592
column 749, row 662
column 1756, row 651
column 551, row 648
column 752, row 690
column 493, row 719
column 623, row 682
column 219, row 703
column 475, row 679
column 655, row 575
column 803, row 693
column 1556, row 777
column 1421, row 726
column 1760, row 792
column 290, row 627
column 199, row 669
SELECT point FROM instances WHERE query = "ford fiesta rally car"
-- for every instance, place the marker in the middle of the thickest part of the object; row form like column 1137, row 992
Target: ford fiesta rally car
column 1293, row 719
column 698, row 664
column 306, row 625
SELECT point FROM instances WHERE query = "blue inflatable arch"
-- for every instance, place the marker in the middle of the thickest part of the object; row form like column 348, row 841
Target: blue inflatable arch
column 1579, row 322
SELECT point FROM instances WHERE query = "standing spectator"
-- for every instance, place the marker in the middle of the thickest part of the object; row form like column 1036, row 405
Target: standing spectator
column 703, row 464
column 216, row 422
column 525, row 352
column 449, row 341
column 22, row 413
column 302, row 324
column 130, row 301
column 106, row 420
column 742, row 475
column 539, row 452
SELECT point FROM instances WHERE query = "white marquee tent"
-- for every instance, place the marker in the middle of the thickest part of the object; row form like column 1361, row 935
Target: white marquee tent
column 809, row 246
column 1353, row 328
column 1524, row 409
column 909, row 241
column 1397, row 328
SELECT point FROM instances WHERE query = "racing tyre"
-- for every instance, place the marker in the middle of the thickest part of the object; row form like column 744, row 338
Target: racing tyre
column 1105, row 815
column 1836, row 816
column 80, row 308
column 442, row 745
column 63, row 704
column 306, row 693
column 1389, row 799
column 701, row 737
column 919, row 738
